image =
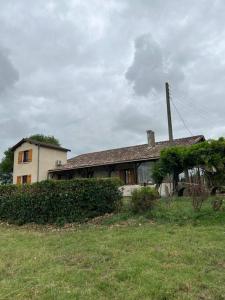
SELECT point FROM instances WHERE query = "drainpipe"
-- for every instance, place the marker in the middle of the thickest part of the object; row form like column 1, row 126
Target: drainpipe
column 38, row 163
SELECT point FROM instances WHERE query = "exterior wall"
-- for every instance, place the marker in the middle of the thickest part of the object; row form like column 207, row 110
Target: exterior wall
column 28, row 168
column 101, row 173
column 142, row 172
column 47, row 160
column 164, row 190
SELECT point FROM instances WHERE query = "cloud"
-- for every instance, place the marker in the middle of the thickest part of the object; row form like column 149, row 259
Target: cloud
column 151, row 68
column 93, row 74
column 8, row 74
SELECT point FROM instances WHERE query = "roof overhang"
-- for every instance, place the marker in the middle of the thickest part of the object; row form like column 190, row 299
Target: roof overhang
column 41, row 144
column 102, row 165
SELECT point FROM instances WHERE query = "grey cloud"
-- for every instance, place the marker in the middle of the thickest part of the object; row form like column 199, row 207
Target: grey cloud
column 8, row 74
column 93, row 73
column 151, row 68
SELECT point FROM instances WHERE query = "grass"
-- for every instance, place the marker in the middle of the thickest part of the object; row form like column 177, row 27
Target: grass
column 171, row 253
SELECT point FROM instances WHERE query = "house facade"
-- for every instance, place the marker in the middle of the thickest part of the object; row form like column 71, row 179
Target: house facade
column 133, row 165
column 33, row 160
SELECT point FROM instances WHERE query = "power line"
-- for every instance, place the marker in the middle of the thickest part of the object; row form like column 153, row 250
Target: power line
column 193, row 108
column 179, row 114
column 193, row 105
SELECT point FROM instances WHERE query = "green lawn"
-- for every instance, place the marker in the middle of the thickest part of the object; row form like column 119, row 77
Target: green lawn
column 130, row 258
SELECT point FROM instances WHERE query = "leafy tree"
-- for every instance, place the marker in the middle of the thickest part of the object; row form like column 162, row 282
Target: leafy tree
column 45, row 139
column 171, row 163
column 6, row 165
column 208, row 155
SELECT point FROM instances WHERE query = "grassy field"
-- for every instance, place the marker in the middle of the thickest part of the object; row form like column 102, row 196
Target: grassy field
column 172, row 253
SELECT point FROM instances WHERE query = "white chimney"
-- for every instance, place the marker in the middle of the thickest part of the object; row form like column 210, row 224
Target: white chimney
column 151, row 138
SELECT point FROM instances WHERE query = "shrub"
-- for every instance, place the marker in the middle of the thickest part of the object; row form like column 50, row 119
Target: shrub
column 143, row 199
column 199, row 194
column 59, row 201
column 217, row 203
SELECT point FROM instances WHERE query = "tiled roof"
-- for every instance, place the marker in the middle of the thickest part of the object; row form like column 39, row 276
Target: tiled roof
column 127, row 154
column 45, row 145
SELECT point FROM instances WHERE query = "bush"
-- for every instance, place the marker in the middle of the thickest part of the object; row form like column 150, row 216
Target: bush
column 59, row 201
column 143, row 199
column 217, row 203
column 199, row 194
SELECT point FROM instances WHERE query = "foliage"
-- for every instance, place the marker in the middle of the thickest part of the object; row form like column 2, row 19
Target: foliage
column 143, row 199
column 6, row 178
column 199, row 194
column 45, row 139
column 173, row 210
column 54, row 201
column 208, row 155
column 6, row 165
column 217, row 203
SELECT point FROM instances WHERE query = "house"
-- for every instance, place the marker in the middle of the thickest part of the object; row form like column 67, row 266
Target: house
column 36, row 161
column 133, row 165
column 33, row 159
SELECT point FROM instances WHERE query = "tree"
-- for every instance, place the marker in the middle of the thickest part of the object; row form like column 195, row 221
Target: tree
column 6, row 165
column 209, row 156
column 171, row 163
column 45, row 139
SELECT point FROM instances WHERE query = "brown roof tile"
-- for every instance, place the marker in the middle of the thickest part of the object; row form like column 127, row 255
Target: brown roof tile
column 127, row 154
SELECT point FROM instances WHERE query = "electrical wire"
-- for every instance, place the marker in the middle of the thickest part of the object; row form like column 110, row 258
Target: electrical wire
column 182, row 119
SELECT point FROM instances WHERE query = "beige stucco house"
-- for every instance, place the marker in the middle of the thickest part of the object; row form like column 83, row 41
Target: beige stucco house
column 33, row 159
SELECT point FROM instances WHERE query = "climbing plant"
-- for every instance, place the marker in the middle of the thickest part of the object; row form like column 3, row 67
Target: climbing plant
column 209, row 156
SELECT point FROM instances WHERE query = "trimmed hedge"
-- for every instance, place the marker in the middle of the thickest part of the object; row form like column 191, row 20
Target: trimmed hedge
column 59, row 201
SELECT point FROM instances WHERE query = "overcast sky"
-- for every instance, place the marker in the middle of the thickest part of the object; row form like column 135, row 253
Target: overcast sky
column 92, row 72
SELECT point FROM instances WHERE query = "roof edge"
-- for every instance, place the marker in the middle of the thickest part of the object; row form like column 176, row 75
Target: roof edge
column 106, row 164
column 42, row 144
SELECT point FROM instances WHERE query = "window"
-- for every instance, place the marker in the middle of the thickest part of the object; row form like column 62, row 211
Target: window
column 25, row 179
column 25, row 156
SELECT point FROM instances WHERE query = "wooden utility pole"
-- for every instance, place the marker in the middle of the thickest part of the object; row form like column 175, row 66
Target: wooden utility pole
column 170, row 128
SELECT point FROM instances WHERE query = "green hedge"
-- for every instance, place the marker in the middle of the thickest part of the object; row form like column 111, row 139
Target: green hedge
column 59, row 201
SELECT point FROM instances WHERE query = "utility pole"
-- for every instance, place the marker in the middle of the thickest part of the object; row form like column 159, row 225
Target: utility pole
column 170, row 128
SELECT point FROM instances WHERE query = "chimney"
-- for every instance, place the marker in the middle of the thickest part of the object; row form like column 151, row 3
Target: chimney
column 151, row 138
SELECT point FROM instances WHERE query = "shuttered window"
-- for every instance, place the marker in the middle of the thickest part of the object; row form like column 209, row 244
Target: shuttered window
column 25, row 156
column 20, row 157
column 30, row 155
column 25, row 179
column 29, row 179
column 18, row 180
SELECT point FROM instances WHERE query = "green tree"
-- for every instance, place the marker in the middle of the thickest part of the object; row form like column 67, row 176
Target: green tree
column 45, row 139
column 208, row 155
column 6, row 167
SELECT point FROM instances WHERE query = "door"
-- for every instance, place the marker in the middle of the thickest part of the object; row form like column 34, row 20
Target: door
column 128, row 176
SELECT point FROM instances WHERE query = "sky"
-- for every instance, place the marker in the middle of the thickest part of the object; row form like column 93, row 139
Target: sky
column 92, row 73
